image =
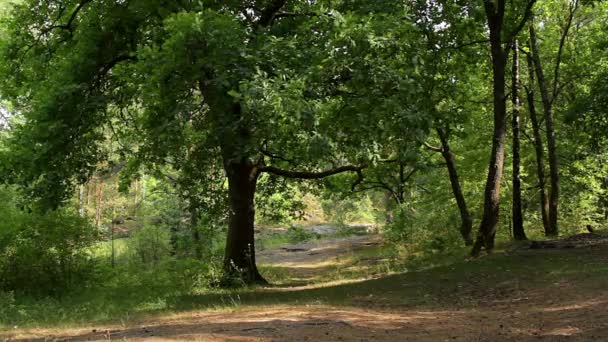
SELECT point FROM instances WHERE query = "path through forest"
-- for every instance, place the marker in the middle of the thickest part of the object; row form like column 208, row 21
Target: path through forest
column 551, row 295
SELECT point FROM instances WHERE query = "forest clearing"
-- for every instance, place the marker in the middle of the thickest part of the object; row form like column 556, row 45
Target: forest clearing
column 299, row 170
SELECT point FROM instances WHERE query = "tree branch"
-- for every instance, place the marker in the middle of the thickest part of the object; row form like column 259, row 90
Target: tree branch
column 523, row 21
column 272, row 155
column 475, row 42
column 560, row 51
column 358, row 181
column 269, row 13
column 432, row 148
column 293, row 15
column 68, row 25
column 264, row 151
column 309, row 174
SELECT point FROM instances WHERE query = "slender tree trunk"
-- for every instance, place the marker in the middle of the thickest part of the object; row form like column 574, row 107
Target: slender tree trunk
column 239, row 259
column 538, row 148
column 81, row 200
column 389, row 207
column 135, row 196
column 98, row 203
column 489, row 222
column 196, row 234
column 466, row 226
column 518, row 221
column 550, row 131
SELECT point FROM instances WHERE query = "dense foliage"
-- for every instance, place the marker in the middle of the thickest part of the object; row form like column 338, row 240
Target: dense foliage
column 171, row 123
column 43, row 253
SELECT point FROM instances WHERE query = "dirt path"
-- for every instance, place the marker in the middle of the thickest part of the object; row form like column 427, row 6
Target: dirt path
column 487, row 300
column 580, row 320
column 308, row 261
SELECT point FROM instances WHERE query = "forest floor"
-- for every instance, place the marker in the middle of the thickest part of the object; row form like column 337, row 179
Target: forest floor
column 555, row 294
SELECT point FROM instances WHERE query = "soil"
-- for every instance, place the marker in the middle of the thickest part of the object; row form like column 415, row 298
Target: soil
column 563, row 311
column 575, row 241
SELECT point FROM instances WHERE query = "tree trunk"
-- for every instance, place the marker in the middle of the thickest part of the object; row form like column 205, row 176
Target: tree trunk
column 98, row 203
column 466, row 226
column 81, row 209
column 239, row 260
column 489, row 222
column 518, row 221
column 196, row 234
column 538, row 148
column 550, row 130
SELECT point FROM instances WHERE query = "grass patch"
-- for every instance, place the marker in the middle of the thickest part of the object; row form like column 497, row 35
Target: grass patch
column 463, row 283
column 374, row 277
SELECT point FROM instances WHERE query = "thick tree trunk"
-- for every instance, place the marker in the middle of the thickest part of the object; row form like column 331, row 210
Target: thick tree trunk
column 518, row 221
column 550, row 131
column 538, row 148
column 466, row 226
column 489, row 222
column 239, row 260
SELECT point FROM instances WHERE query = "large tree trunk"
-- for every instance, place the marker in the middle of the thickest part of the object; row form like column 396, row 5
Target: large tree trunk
column 489, row 222
column 466, row 221
column 538, row 148
column 518, row 221
column 550, row 131
column 239, row 260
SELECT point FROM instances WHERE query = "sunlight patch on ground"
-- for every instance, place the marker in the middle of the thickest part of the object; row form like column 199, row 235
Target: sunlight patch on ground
column 576, row 306
column 566, row 331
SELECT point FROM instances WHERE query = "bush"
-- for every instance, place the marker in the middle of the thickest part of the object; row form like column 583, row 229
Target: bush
column 43, row 253
column 150, row 244
column 352, row 209
column 297, row 234
column 424, row 232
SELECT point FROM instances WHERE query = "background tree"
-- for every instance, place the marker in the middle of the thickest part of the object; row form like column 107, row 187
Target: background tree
column 502, row 35
column 248, row 88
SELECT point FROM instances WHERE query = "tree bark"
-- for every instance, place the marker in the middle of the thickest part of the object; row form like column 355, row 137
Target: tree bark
column 518, row 221
column 466, row 222
column 550, row 131
column 487, row 230
column 538, row 148
column 239, row 259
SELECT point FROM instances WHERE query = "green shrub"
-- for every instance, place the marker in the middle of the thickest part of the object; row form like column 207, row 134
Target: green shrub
column 424, row 232
column 7, row 306
column 348, row 210
column 150, row 244
column 297, row 234
column 43, row 253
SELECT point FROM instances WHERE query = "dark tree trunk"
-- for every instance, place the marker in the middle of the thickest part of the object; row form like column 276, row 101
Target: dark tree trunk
column 518, row 221
column 466, row 226
column 489, row 222
column 242, row 175
column 550, row 130
column 239, row 260
column 538, row 148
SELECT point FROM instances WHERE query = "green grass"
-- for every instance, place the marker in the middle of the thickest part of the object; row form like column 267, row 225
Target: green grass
column 423, row 280
column 462, row 283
